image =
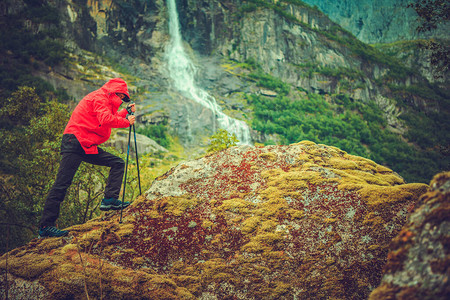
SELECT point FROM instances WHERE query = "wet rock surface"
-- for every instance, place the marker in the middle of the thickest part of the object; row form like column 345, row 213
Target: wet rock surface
column 274, row 222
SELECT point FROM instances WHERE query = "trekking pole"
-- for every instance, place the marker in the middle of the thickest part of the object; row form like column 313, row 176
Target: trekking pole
column 137, row 160
column 125, row 180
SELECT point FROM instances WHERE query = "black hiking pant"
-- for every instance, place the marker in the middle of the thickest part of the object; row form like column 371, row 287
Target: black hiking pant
column 70, row 161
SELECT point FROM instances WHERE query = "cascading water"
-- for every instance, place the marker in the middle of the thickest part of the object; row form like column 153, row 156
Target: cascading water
column 182, row 72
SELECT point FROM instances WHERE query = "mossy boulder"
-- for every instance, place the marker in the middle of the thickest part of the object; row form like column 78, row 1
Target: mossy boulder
column 418, row 265
column 276, row 222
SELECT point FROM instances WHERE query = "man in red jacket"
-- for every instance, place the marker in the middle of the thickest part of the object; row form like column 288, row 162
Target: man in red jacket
column 89, row 126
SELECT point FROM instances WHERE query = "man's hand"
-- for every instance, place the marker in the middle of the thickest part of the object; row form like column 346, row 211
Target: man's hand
column 132, row 107
column 131, row 119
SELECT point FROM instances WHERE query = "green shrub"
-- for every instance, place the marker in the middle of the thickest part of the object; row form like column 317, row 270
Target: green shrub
column 159, row 133
column 269, row 82
column 221, row 140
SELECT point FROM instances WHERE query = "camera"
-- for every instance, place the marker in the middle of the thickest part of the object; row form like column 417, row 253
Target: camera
column 129, row 108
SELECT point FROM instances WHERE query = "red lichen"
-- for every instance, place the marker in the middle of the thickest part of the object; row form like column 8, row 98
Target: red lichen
column 235, row 176
column 166, row 239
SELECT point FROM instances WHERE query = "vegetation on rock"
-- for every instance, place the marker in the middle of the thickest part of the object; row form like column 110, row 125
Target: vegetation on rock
column 272, row 222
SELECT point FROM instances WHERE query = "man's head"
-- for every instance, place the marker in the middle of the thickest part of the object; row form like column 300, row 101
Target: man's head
column 117, row 86
column 124, row 97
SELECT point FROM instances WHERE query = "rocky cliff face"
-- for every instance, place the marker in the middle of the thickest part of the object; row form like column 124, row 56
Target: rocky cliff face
column 382, row 21
column 301, row 52
column 419, row 258
column 275, row 222
column 282, row 47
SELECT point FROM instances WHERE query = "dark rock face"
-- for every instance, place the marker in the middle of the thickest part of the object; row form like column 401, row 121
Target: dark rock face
column 382, row 21
column 418, row 265
column 276, row 222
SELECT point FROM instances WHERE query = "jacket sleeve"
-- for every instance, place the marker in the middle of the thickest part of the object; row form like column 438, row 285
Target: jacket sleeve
column 123, row 113
column 105, row 116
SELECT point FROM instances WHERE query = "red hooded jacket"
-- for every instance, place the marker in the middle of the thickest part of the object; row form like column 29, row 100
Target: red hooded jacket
column 96, row 114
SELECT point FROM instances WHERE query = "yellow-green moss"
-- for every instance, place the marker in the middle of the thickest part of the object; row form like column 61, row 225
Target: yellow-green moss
column 382, row 169
column 178, row 205
column 125, row 230
column 272, row 192
column 369, row 164
column 281, row 182
column 335, row 151
column 138, row 261
column 381, row 195
column 183, row 293
column 69, row 248
column 303, row 157
column 92, row 224
column 373, row 220
column 66, row 268
column 162, row 280
column 268, row 225
column 139, row 200
column 30, row 266
column 393, row 179
column 267, row 174
column 268, row 238
column 207, row 224
column 269, row 218
column 219, row 277
column 367, row 177
column 268, row 156
column 251, row 224
column 89, row 238
column 305, row 143
column 281, row 288
column 295, row 214
column 48, row 244
column 236, row 205
column 215, row 269
column 272, row 207
column 330, row 220
column 186, row 280
column 373, row 247
column 339, row 163
column 254, row 247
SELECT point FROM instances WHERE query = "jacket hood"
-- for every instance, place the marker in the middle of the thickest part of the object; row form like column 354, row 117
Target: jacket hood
column 116, row 85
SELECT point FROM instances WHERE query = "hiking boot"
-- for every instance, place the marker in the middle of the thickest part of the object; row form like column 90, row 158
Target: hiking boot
column 51, row 231
column 112, row 204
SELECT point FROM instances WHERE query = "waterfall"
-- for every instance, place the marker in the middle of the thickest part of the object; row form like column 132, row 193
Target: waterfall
column 182, row 72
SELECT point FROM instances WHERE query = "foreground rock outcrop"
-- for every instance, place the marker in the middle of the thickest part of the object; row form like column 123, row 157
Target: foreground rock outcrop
column 418, row 265
column 276, row 222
